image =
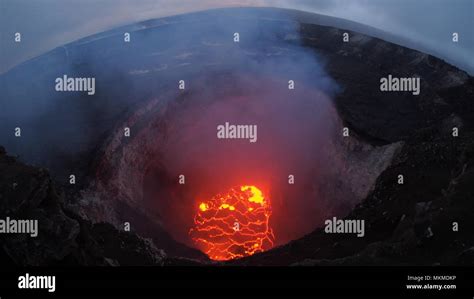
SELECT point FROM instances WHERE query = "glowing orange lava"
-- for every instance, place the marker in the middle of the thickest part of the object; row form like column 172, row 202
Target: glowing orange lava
column 233, row 225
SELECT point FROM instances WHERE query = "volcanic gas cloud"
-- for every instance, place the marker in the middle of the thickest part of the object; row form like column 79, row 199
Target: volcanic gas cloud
column 232, row 198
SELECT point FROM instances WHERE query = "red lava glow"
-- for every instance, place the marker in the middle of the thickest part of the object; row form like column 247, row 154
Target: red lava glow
column 233, row 225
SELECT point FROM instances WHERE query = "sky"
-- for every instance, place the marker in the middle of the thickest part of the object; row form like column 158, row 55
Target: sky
column 47, row 24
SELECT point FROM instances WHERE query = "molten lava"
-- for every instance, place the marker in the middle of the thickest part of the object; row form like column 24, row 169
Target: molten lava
column 233, row 225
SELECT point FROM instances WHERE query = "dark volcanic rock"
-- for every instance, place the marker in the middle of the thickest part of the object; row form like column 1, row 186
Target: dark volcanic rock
column 409, row 224
column 63, row 238
column 358, row 66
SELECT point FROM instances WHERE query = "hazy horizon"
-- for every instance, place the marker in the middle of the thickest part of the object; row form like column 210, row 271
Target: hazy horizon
column 48, row 24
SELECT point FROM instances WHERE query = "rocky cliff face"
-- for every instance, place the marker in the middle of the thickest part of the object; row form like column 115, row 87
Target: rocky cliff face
column 64, row 238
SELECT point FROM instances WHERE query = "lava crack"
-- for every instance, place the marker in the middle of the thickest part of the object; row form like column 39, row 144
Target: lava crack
column 233, row 225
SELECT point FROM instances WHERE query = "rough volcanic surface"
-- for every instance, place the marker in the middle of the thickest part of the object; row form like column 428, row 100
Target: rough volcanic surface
column 65, row 239
column 134, row 179
column 409, row 224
